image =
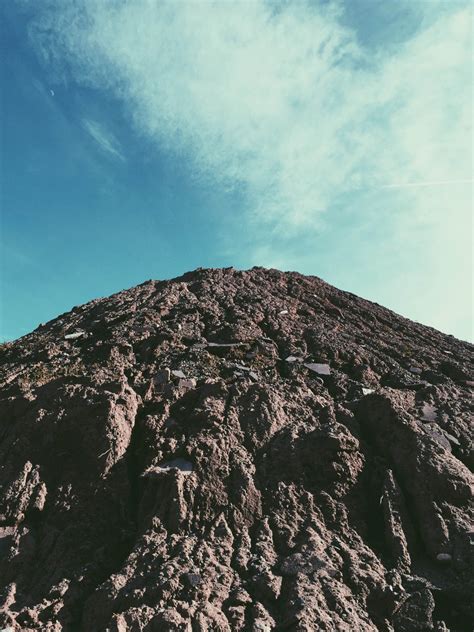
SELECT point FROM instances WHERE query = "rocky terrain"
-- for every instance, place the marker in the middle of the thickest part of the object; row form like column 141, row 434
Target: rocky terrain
column 247, row 451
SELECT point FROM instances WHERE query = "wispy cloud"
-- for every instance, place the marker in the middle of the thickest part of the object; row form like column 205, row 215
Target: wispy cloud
column 401, row 185
column 284, row 103
column 104, row 138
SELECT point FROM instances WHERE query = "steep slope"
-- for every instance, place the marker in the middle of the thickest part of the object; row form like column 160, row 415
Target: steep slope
column 235, row 451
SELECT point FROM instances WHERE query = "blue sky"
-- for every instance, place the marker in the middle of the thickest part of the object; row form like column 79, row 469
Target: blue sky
column 143, row 139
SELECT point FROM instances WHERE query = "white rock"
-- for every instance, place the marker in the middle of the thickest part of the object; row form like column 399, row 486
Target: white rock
column 76, row 334
column 444, row 557
column 283, row 311
column 367, row 391
column 183, row 466
column 186, row 467
column 321, row 369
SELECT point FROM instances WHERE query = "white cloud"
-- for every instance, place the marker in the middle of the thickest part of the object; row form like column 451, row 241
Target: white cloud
column 103, row 137
column 286, row 105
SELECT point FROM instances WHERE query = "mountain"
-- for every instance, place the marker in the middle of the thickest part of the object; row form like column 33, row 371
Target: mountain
column 236, row 450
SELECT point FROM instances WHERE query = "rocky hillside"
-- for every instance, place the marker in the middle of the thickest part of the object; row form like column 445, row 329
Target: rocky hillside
column 247, row 451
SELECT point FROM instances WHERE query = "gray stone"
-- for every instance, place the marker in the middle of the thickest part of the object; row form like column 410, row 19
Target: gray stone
column 187, row 384
column 451, row 438
column 435, row 432
column 429, row 412
column 178, row 373
column 162, row 377
column 192, row 579
column 321, row 369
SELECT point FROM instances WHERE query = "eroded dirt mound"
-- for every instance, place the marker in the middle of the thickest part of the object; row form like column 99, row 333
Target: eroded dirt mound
column 235, row 451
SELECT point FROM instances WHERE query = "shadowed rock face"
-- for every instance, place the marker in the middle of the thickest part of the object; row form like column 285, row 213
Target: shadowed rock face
column 235, row 451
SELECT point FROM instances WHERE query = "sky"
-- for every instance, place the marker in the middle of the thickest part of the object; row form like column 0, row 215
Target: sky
column 143, row 139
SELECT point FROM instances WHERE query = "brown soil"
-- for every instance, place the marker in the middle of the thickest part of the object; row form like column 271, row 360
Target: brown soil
column 175, row 465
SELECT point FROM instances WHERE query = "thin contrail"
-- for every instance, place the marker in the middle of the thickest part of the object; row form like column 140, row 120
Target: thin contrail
column 425, row 183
